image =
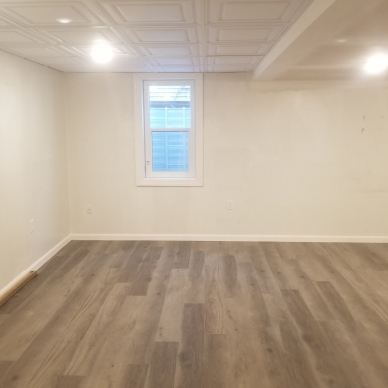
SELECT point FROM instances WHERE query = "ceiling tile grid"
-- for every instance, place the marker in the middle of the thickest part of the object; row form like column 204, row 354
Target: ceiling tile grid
column 147, row 35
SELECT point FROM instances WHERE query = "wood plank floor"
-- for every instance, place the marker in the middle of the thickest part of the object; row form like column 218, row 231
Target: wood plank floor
column 125, row 314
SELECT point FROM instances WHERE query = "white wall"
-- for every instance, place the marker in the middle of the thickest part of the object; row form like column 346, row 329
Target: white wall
column 33, row 166
column 294, row 162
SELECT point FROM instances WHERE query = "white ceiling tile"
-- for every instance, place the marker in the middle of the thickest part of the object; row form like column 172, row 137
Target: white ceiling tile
column 247, row 11
column 161, row 35
column 178, row 61
column 82, row 35
column 8, row 36
column 233, row 60
column 13, row 37
column 131, row 61
column 34, row 51
column 269, row 10
column 245, row 34
column 85, row 50
column 169, row 50
column 221, row 11
column 46, row 13
column 75, row 64
column 154, row 12
column 4, row 22
column 147, row 35
column 239, row 49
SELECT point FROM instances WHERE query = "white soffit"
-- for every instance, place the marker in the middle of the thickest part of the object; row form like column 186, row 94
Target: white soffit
column 332, row 40
column 148, row 35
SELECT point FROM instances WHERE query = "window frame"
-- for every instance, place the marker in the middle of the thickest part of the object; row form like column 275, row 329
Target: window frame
column 148, row 130
column 143, row 132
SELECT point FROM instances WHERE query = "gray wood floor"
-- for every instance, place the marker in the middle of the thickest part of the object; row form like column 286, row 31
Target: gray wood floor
column 214, row 315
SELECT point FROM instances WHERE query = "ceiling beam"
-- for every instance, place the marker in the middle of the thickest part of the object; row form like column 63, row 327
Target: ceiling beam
column 321, row 23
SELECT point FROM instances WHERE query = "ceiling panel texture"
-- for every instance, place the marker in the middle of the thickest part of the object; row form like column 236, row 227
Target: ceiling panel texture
column 147, row 35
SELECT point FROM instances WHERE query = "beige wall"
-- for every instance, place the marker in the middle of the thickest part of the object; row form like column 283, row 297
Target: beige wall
column 295, row 163
column 33, row 167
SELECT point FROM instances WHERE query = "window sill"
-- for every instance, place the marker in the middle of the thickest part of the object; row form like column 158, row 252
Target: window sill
column 170, row 182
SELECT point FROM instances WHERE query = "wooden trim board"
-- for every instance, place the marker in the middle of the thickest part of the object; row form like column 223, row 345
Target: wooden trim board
column 35, row 266
column 17, row 286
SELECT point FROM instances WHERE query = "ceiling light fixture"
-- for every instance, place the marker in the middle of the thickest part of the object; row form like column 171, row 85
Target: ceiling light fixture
column 376, row 64
column 64, row 20
column 102, row 53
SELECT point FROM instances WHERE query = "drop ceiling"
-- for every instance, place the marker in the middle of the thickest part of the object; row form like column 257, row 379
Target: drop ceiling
column 148, row 35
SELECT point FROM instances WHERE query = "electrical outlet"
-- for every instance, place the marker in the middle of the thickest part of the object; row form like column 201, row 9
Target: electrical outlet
column 89, row 209
column 32, row 228
column 229, row 204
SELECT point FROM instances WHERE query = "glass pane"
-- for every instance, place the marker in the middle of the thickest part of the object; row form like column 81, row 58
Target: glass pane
column 170, row 151
column 170, row 106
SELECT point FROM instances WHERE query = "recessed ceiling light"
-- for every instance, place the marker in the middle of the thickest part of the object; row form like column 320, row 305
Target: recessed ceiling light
column 102, row 53
column 376, row 64
column 64, row 20
column 341, row 40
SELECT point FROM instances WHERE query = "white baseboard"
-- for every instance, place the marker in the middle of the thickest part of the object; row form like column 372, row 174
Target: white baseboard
column 191, row 237
column 231, row 237
column 37, row 264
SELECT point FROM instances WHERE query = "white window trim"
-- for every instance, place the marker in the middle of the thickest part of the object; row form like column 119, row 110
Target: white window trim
column 191, row 131
column 141, row 177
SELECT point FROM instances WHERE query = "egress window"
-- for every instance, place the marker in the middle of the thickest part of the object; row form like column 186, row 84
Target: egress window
column 169, row 130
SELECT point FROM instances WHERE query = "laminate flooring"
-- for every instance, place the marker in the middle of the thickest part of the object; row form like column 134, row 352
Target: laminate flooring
column 127, row 314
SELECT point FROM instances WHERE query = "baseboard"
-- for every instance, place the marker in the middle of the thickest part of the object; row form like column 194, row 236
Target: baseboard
column 231, row 237
column 191, row 237
column 37, row 264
